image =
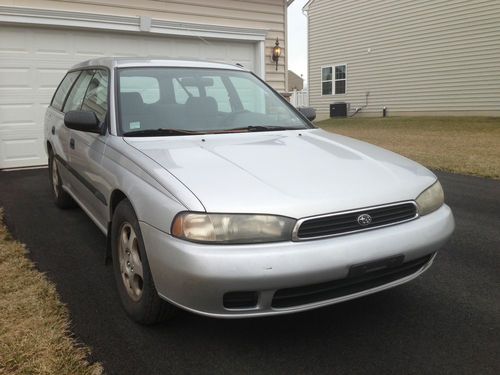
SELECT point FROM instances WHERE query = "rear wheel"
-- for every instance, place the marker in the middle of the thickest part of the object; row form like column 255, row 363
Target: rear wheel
column 131, row 269
column 61, row 198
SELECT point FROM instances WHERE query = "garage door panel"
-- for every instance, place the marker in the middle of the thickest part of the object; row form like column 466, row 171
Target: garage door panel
column 19, row 131
column 90, row 46
column 17, row 113
column 49, row 78
column 87, row 55
column 51, row 42
column 155, row 46
column 186, row 49
column 22, row 148
column 214, row 52
column 17, row 110
column 42, row 61
column 25, row 95
column 13, row 41
column 13, row 78
column 34, row 60
column 123, row 45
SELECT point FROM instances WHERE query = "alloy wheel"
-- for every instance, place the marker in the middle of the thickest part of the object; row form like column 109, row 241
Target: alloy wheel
column 55, row 177
column 130, row 262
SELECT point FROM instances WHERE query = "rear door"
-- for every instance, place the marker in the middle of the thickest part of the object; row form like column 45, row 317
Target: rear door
column 55, row 130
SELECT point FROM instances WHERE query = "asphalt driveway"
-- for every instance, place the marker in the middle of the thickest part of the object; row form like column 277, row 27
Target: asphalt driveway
column 447, row 321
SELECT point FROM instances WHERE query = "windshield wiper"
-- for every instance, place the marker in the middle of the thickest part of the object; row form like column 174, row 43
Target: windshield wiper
column 158, row 132
column 262, row 128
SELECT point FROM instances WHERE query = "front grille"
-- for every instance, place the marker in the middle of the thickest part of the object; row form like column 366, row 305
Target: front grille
column 304, row 295
column 342, row 223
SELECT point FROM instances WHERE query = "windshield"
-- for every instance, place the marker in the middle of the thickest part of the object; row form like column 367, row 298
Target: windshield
column 183, row 101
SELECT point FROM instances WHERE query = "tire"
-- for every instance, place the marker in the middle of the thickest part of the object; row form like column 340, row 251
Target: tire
column 131, row 269
column 61, row 198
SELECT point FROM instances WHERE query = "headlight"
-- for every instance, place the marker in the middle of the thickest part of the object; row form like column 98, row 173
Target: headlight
column 431, row 199
column 232, row 228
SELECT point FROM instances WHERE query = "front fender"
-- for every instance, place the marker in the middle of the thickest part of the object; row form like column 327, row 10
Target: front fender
column 156, row 200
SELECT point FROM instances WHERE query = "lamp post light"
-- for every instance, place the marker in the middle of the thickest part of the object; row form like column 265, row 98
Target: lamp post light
column 276, row 52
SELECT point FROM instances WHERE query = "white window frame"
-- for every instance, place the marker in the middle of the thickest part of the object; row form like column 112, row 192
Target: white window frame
column 333, row 66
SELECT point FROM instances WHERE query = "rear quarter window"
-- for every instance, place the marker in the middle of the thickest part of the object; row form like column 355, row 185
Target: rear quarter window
column 63, row 89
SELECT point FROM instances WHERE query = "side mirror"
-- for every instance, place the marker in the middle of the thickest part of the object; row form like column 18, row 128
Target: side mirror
column 308, row 112
column 85, row 121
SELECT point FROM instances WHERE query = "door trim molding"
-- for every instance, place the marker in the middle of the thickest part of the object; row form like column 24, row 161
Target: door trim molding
column 100, row 196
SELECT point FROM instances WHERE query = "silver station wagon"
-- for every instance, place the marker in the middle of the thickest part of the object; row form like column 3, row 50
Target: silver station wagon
column 219, row 197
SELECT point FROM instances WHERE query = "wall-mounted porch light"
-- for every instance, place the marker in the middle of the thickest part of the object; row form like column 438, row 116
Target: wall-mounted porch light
column 276, row 52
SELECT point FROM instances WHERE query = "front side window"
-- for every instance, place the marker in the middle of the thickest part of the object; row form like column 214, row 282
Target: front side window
column 89, row 93
column 333, row 80
column 196, row 100
column 96, row 97
column 63, row 89
column 75, row 98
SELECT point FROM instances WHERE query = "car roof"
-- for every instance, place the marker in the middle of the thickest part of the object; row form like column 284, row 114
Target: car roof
column 122, row 62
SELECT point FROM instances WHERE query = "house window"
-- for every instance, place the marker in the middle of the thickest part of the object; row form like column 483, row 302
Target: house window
column 333, row 80
column 326, row 80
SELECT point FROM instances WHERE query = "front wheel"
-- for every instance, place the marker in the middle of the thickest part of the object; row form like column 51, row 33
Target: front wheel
column 131, row 269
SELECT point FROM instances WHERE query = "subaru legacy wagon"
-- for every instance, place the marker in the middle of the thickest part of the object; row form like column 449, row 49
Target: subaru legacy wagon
column 219, row 197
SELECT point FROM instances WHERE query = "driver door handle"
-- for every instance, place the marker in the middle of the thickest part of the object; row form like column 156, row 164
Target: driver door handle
column 72, row 143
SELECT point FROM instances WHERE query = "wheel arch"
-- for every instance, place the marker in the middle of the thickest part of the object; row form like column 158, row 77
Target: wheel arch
column 116, row 197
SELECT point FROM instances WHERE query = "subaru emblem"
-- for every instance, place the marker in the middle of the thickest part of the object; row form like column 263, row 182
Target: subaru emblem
column 364, row 220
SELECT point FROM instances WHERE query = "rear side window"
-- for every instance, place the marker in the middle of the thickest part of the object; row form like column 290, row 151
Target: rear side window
column 62, row 90
column 75, row 98
column 96, row 97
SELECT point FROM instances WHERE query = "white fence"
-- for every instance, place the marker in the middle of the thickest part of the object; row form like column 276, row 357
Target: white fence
column 300, row 98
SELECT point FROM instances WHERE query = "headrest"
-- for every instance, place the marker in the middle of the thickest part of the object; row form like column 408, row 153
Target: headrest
column 131, row 101
column 204, row 104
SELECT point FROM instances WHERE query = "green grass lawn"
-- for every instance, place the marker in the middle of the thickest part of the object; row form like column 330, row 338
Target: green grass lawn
column 465, row 145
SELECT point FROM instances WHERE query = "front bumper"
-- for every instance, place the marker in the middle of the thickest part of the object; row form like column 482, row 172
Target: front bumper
column 196, row 276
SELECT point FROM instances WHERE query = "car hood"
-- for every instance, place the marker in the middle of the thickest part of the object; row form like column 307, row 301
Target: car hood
column 291, row 173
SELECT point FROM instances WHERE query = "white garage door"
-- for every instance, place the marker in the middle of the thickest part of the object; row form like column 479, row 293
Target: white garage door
column 34, row 60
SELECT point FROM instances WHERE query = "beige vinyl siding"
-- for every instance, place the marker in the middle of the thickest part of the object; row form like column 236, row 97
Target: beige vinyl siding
column 426, row 57
column 267, row 15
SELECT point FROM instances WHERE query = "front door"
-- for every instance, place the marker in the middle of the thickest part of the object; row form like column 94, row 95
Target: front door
column 87, row 149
